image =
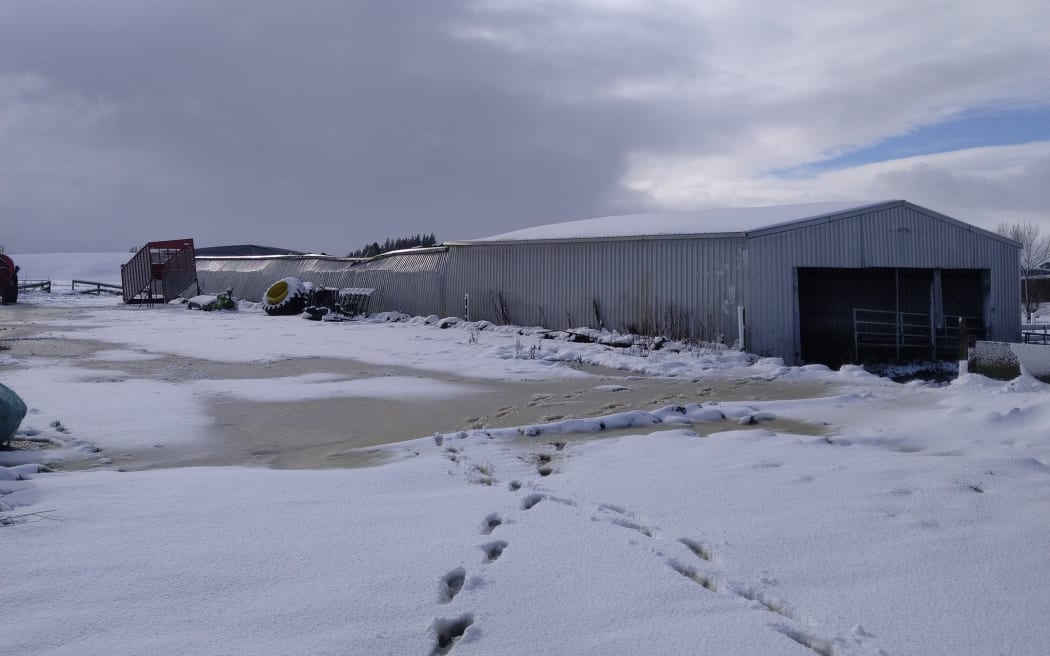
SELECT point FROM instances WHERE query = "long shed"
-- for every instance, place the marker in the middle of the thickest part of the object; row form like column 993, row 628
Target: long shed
column 819, row 282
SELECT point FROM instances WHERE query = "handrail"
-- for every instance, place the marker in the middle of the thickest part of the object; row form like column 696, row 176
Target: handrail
column 43, row 285
column 99, row 287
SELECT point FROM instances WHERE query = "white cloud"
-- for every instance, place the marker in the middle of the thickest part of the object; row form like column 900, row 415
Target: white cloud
column 496, row 114
column 751, row 87
column 981, row 185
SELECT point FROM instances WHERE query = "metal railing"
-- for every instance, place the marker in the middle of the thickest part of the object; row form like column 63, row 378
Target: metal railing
column 42, row 285
column 96, row 288
column 136, row 276
column 910, row 334
column 1036, row 334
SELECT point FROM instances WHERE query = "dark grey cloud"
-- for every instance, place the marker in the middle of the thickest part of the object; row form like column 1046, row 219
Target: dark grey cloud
column 319, row 125
column 323, row 125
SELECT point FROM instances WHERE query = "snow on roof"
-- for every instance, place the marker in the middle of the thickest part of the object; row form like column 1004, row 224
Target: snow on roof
column 710, row 221
column 244, row 249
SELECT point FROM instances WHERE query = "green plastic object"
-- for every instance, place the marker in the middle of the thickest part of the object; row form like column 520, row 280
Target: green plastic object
column 12, row 412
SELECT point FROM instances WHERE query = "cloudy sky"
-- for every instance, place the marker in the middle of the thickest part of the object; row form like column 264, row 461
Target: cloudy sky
column 323, row 125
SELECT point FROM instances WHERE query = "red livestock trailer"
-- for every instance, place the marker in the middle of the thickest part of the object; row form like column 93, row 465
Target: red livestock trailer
column 159, row 272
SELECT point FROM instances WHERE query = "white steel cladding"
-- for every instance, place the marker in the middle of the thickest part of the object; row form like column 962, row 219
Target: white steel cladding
column 686, row 286
column 679, row 285
column 893, row 235
column 250, row 276
column 408, row 281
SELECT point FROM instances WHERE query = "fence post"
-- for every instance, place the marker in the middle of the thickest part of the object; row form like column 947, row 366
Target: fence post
column 900, row 336
column 856, row 339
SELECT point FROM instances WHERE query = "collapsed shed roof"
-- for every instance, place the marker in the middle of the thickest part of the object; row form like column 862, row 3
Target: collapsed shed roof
column 245, row 249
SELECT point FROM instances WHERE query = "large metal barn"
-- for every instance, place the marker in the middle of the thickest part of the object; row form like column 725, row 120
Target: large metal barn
column 820, row 282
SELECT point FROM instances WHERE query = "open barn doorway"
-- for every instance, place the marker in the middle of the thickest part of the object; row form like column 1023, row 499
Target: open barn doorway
column 888, row 314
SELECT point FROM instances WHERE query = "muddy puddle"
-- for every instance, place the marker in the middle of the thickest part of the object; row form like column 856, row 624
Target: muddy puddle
column 322, row 433
column 337, row 432
column 331, row 432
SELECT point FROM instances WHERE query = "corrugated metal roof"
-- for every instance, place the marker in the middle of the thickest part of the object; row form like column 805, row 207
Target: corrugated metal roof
column 717, row 221
column 245, row 249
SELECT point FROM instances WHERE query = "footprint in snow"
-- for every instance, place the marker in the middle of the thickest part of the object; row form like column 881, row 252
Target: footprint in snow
column 634, row 526
column 818, row 645
column 493, row 550
column 490, row 523
column 531, row 500
column 452, row 584
column 773, row 605
column 622, row 518
column 694, row 575
column 447, row 631
column 699, row 550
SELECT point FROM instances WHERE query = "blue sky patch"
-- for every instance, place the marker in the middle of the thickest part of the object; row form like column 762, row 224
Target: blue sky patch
column 969, row 130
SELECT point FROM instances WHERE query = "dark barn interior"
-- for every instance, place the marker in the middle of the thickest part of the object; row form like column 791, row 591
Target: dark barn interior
column 888, row 314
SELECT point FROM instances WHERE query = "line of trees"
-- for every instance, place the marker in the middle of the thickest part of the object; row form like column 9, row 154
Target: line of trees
column 394, row 244
column 1035, row 252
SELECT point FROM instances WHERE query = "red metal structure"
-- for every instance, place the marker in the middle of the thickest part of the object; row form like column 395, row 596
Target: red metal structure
column 159, row 272
column 8, row 280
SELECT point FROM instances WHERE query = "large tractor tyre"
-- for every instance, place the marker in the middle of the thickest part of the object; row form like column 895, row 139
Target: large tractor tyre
column 286, row 296
column 12, row 412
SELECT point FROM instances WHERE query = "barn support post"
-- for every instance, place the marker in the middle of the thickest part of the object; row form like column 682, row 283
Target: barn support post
column 897, row 311
column 936, row 311
column 796, row 318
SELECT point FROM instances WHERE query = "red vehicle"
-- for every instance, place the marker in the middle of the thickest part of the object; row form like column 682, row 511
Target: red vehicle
column 8, row 280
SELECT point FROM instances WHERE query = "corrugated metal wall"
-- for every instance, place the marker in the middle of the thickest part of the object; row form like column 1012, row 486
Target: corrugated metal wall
column 683, row 287
column 677, row 287
column 898, row 236
column 249, row 277
column 686, row 286
column 408, row 282
column 412, row 283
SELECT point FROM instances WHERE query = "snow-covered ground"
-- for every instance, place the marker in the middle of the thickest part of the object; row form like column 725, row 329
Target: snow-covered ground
column 914, row 522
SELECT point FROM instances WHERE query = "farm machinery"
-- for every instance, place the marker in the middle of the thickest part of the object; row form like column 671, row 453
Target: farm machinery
column 291, row 295
column 8, row 280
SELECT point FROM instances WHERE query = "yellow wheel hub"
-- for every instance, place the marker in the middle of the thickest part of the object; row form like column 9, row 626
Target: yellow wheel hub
column 277, row 292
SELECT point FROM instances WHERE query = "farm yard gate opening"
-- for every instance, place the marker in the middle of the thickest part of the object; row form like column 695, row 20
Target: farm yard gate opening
column 887, row 314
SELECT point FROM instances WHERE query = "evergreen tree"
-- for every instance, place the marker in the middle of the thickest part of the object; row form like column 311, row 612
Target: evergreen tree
column 394, row 244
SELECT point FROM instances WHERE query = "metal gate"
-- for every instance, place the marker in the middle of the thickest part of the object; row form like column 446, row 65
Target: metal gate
column 911, row 335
